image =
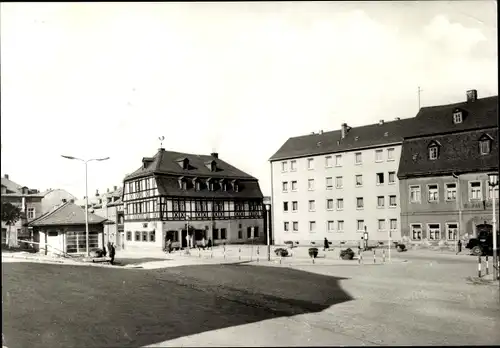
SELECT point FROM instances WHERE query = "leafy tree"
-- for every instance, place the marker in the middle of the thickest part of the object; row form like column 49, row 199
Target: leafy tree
column 10, row 215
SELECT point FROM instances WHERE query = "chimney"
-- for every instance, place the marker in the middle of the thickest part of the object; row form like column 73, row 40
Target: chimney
column 107, row 190
column 64, row 200
column 381, row 122
column 6, row 176
column 321, row 131
column 115, row 188
column 72, row 200
column 344, row 130
column 214, row 155
column 397, row 119
column 471, row 96
column 97, row 193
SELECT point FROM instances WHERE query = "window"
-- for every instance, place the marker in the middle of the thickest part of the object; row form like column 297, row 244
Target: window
column 329, row 204
column 359, row 180
column 433, row 152
column 223, row 233
column 433, row 193
column 329, row 183
column 285, row 186
column 294, row 185
column 392, row 177
column 378, row 155
column 484, row 147
column 340, row 225
column 380, row 202
column 295, row 206
column 340, row 203
column 392, row 201
column 434, row 231
column 137, row 236
column 256, row 231
column 493, row 192
column 285, row 207
column 380, row 178
column 216, row 233
column 283, row 166
column 129, row 236
column 312, row 205
column 451, row 191
column 293, row 166
column 328, row 161
column 338, row 160
column 457, row 117
column 393, row 224
column 310, row 184
column 451, row 231
column 312, row 226
column 390, row 154
column 31, row 213
column 338, row 182
column 249, row 232
column 475, row 191
column 310, row 163
column 358, row 159
column 360, row 225
column 381, row 225
column 415, row 194
column 295, row 226
column 240, row 234
column 144, row 236
column 416, row 231
column 286, row 226
column 359, row 203
column 152, row 236
column 330, row 226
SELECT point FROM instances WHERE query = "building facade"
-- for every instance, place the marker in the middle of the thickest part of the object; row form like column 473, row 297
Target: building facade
column 110, row 206
column 174, row 195
column 30, row 203
column 53, row 198
column 443, row 170
column 338, row 185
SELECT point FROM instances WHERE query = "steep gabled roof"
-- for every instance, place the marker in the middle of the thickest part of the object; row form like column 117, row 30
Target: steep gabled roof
column 165, row 162
column 11, row 185
column 459, row 153
column 66, row 214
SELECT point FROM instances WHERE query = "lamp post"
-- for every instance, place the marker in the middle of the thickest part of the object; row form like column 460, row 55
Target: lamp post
column 268, row 215
column 459, row 209
column 86, row 195
column 493, row 182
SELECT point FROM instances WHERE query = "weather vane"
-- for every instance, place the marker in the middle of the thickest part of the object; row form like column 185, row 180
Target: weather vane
column 161, row 140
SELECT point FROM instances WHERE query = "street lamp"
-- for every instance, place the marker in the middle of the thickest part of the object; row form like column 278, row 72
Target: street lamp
column 493, row 182
column 86, row 195
column 268, row 210
column 458, row 196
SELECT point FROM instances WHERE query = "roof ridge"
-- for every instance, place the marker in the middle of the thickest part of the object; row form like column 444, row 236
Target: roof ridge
column 457, row 103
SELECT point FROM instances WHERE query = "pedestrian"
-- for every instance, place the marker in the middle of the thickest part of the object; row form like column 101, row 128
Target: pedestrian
column 169, row 246
column 459, row 246
column 209, row 243
column 326, row 245
column 103, row 251
column 111, row 253
column 203, row 243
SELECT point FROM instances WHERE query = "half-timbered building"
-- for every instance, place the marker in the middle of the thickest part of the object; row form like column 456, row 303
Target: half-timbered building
column 174, row 195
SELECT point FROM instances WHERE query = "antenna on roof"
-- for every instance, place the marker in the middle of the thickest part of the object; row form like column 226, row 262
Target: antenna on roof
column 161, row 140
column 419, row 91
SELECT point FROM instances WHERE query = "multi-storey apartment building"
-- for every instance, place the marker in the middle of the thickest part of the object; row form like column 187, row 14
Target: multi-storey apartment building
column 110, row 206
column 30, row 203
column 338, row 184
column 443, row 171
column 176, row 194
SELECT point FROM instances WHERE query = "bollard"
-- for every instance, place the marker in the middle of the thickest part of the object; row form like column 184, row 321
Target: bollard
column 383, row 255
column 374, row 259
column 313, row 259
column 239, row 254
column 211, row 254
column 359, row 256
column 487, row 266
column 199, row 252
column 479, row 266
column 280, row 258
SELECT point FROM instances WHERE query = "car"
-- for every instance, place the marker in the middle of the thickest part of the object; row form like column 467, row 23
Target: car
column 483, row 244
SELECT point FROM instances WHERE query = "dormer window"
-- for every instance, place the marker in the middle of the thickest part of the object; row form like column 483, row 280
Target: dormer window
column 146, row 161
column 485, row 144
column 182, row 183
column 196, row 184
column 457, row 116
column 183, row 163
column 235, row 185
column 433, row 150
column 210, row 184
column 211, row 165
column 223, row 184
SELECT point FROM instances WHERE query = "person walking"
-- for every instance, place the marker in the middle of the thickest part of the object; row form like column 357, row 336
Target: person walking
column 326, row 245
column 209, row 243
column 203, row 243
column 169, row 246
column 111, row 253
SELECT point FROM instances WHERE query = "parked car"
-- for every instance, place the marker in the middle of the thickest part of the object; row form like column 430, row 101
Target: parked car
column 483, row 244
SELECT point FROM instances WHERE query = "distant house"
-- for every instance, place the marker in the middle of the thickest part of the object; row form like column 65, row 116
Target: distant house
column 111, row 207
column 62, row 230
column 53, row 198
column 30, row 203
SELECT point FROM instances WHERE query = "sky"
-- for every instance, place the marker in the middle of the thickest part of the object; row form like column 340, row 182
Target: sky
column 93, row 80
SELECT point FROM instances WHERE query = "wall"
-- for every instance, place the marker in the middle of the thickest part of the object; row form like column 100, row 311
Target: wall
column 59, row 242
column 443, row 211
column 369, row 191
column 54, row 198
column 18, row 230
column 232, row 227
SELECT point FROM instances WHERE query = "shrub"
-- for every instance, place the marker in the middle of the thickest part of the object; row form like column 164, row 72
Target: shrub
column 313, row 252
column 281, row 252
column 347, row 254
